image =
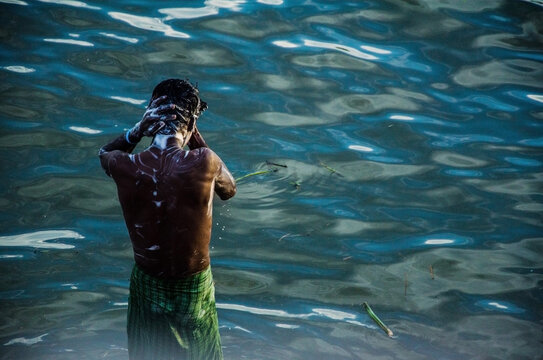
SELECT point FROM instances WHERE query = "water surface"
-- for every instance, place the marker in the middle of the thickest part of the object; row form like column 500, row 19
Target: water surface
column 409, row 135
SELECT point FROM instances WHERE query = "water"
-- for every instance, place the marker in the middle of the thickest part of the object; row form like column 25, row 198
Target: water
column 411, row 137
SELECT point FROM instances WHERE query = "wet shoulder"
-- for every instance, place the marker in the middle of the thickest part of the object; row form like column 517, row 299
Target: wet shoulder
column 205, row 157
column 118, row 163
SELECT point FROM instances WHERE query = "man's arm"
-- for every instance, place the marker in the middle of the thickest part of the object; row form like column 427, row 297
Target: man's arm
column 196, row 140
column 111, row 150
column 125, row 143
column 225, row 185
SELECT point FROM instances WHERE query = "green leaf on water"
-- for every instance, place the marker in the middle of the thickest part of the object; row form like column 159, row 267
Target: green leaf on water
column 297, row 184
column 254, row 174
column 377, row 320
column 332, row 170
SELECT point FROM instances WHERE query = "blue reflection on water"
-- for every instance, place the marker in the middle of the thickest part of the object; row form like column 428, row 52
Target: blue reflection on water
column 406, row 143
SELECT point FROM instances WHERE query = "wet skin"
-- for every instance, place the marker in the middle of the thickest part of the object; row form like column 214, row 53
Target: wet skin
column 166, row 193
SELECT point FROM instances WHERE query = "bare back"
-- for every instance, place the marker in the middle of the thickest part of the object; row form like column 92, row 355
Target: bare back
column 167, row 201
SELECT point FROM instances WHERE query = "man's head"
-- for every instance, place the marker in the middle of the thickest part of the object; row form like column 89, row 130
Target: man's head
column 186, row 96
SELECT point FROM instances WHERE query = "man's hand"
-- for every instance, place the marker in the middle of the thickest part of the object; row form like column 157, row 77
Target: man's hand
column 153, row 119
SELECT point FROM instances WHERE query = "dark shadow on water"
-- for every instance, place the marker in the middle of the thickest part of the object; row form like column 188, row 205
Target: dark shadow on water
column 173, row 318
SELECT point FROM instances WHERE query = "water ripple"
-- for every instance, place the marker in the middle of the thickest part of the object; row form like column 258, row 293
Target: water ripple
column 341, row 48
column 79, row 4
column 407, row 174
column 148, row 23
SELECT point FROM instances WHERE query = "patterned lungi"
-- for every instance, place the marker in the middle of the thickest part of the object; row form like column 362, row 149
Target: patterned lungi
column 173, row 318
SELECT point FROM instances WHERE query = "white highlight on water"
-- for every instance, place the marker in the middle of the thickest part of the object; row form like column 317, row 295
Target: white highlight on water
column 536, row 97
column 402, row 117
column 19, row 69
column 332, row 314
column 148, row 23
column 123, row 38
column 285, row 44
column 25, row 341
column 342, row 48
column 39, row 239
column 14, row 2
column 438, row 241
column 85, row 130
column 375, row 50
column 287, row 326
column 361, row 148
column 9, row 256
column 127, row 100
column 188, row 13
column 270, row 2
column 69, row 41
column 234, row 5
column 74, row 3
column 498, row 305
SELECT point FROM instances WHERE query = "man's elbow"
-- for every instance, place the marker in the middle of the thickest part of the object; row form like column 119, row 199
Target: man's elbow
column 104, row 162
column 227, row 193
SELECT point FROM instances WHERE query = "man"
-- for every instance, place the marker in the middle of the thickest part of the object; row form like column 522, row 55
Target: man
column 166, row 194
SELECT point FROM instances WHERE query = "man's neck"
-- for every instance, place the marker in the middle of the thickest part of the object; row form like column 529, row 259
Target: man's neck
column 164, row 142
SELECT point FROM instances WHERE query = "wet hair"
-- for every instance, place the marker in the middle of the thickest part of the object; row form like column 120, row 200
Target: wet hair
column 187, row 97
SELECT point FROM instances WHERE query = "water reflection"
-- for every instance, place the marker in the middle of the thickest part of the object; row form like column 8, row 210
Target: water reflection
column 189, row 13
column 41, row 239
column 122, row 38
column 74, row 3
column 25, row 341
column 434, row 127
column 19, row 69
column 69, row 41
column 148, row 23
column 342, row 48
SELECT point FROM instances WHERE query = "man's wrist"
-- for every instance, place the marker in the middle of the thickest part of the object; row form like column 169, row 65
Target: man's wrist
column 131, row 136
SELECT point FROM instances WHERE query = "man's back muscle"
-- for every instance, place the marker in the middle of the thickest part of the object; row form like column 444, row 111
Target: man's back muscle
column 166, row 196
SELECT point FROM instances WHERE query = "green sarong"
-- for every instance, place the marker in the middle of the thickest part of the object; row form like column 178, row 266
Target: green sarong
column 173, row 318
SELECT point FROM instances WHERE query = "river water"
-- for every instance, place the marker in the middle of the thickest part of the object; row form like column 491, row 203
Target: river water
column 404, row 146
